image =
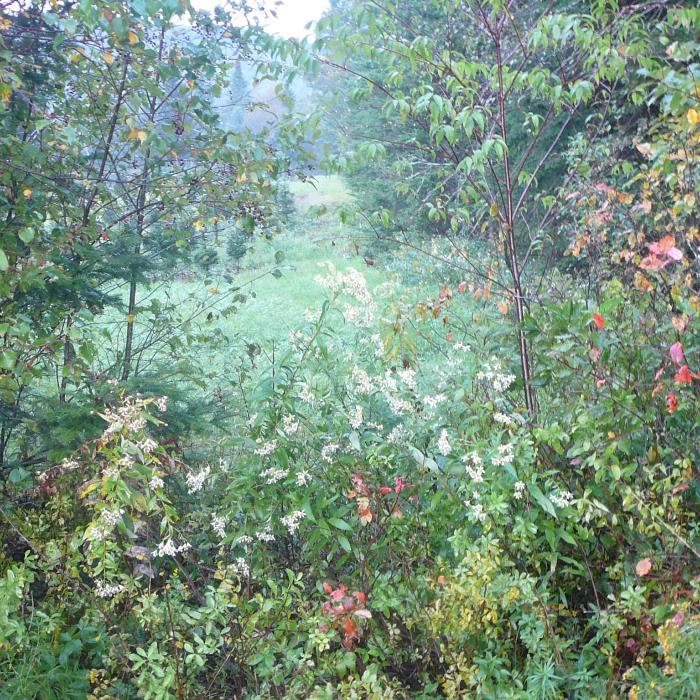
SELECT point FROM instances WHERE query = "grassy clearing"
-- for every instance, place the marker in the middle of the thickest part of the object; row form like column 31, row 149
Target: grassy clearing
column 274, row 306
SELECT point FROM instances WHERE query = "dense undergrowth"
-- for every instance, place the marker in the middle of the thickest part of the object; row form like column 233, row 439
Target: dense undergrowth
column 342, row 488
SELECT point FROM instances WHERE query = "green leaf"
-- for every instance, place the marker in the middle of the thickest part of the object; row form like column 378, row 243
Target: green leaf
column 27, row 235
column 546, row 504
column 340, row 524
column 4, row 262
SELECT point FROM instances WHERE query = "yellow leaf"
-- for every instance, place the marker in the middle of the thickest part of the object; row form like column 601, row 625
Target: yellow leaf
column 494, row 209
column 242, row 177
column 27, row 192
column 137, row 134
column 130, row 318
column 133, row 37
column 693, row 116
column 109, row 59
column 199, row 224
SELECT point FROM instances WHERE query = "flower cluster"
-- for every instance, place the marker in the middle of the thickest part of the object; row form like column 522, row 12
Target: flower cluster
column 562, row 499
column 265, row 448
column 473, row 466
column 303, row 477
column 167, row 548
column 505, row 455
column 106, row 590
column 218, row 524
column 293, row 520
column 356, row 417
column 273, row 475
column 443, row 443
column 503, row 419
column 126, row 416
column 196, row 481
column 494, row 375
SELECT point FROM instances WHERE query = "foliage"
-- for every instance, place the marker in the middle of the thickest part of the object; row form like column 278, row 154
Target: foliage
column 408, row 489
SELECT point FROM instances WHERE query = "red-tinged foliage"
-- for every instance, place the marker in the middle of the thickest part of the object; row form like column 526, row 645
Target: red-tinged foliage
column 685, row 375
column 676, row 352
column 344, row 610
column 599, row 321
column 671, row 402
column 661, row 254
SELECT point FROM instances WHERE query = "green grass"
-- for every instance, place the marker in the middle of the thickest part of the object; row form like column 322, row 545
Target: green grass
column 274, row 306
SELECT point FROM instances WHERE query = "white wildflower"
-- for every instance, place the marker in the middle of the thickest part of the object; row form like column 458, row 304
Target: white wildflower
column 408, row 377
column 434, row 401
column 265, row 447
column 155, row 483
column 106, row 590
column 196, row 481
column 241, row 567
column 273, row 475
column 443, row 443
column 505, row 455
column 265, row 535
column 473, row 466
column 562, row 499
column 518, row 490
column 303, row 478
column 148, row 445
column 112, row 517
column 327, row 452
column 167, row 548
column 356, row 417
column 218, row 524
column 293, row 520
column 305, row 394
column 289, row 425
column 503, row 419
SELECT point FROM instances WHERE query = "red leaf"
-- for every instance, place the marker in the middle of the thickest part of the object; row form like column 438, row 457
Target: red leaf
column 327, row 587
column 599, row 321
column 643, row 567
column 400, row 484
column 350, row 628
column 676, row 352
column 385, row 489
column 360, row 596
column 671, row 402
column 685, row 376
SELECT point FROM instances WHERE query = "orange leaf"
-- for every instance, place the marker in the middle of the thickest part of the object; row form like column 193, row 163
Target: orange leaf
column 643, row 567
column 599, row 321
